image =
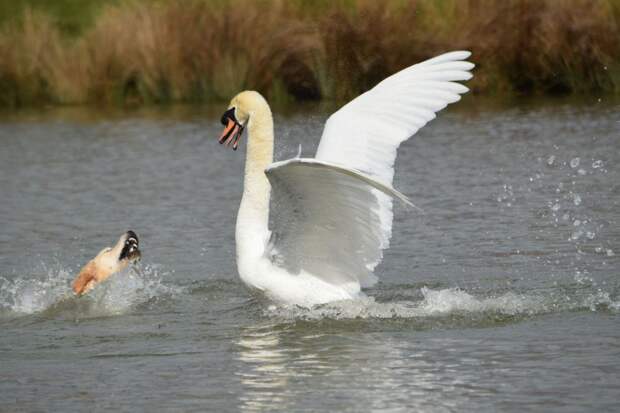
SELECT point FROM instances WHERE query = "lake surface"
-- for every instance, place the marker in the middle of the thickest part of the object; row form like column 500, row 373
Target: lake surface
column 503, row 295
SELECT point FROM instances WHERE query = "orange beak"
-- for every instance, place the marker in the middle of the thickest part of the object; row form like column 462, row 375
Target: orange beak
column 227, row 131
column 232, row 130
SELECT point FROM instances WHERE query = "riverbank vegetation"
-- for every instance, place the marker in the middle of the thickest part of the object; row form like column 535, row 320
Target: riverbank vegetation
column 206, row 50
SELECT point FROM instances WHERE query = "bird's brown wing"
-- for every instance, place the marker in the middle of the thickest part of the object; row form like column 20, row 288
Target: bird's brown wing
column 85, row 280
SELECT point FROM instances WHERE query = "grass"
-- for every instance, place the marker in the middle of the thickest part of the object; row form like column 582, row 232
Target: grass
column 147, row 51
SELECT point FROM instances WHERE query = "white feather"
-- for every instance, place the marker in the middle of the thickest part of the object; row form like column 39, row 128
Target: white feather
column 326, row 221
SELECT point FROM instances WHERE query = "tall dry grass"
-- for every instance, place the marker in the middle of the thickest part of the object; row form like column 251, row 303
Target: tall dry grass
column 200, row 50
column 540, row 46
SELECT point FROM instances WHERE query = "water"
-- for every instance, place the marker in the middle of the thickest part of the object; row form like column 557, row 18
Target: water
column 502, row 296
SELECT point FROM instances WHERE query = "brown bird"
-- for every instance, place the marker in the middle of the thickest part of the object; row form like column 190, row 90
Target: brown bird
column 109, row 261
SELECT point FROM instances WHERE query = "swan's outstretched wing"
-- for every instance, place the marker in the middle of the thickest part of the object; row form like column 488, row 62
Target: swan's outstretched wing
column 335, row 223
column 327, row 221
column 366, row 132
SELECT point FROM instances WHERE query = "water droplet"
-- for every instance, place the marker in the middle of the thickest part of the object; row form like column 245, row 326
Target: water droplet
column 610, row 252
column 597, row 164
column 565, row 217
column 574, row 162
column 555, row 207
column 551, row 160
column 576, row 199
column 581, row 171
column 581, row 278
column 577, row 223
column 590, row 235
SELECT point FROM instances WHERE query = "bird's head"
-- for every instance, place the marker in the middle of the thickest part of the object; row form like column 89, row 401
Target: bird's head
column 238, row 115
column 128, row 245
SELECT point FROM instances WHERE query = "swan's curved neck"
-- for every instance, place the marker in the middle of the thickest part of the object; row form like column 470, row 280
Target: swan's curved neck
column 253, row 218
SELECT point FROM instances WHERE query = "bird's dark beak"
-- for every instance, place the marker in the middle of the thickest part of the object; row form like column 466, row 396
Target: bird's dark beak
column 130, row 250
column 232, row 129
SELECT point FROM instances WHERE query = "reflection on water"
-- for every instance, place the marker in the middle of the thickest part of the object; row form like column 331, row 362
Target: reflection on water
column 265, row 375
column 281, row 368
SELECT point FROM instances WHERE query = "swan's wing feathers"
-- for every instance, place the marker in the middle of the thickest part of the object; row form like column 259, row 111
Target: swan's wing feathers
column 334, row 213
column 330, row 221
column 366, row 132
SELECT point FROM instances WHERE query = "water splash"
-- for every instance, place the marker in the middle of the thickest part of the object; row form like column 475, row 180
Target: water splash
column 127, row 289
column 507, row 196
column 571, row 206
column 450, row 302
column 48, row 290
column 35, row 292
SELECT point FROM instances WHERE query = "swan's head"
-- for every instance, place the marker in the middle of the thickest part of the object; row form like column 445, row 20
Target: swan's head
column 128, row 246
column 237, row 116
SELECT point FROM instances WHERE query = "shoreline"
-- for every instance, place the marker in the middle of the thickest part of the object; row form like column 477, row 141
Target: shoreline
column 143, row 53
column 471, row 105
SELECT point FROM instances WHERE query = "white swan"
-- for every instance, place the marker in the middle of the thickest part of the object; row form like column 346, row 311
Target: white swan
column 331, row 215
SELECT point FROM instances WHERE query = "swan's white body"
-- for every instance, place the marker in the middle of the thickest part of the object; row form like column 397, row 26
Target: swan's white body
column 331, row 215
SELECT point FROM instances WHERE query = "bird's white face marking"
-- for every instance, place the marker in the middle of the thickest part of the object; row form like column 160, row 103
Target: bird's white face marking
column 129, row 247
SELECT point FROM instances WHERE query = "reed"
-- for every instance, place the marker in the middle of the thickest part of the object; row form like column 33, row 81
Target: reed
column 199, row 50
column 531, row 46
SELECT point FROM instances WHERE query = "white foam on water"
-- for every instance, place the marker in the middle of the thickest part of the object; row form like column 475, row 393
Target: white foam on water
column 36, row 292
column 447, row 302
column 51, row 288
column 435, row 303
column 128, row 288
column 454, row 300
